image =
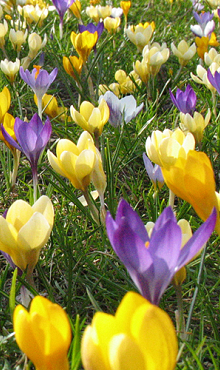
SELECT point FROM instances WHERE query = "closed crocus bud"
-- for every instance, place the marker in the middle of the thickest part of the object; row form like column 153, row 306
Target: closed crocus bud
column 202, row 77
column 76, row 8
column 212, row 56
column 43, row 334
column 195, row 124
column 25, row 230
column 121, row 342
column 72, row 65
column 184, row 52
column 141, row 34
column 9, row 68
column 17, row 38
column 112, row 24
column 84, row 43
column 90, row 118
column 125, row 5
column 75, row 162
column 3, row 31
column 155, row 55
column 143, row 70
column 126, row 84
column 192, row 179
column 5, row 99
column 164, row 148
column 35, row 43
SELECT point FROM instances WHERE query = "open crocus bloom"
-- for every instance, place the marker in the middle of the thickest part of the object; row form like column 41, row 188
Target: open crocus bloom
column 25, row 230
column 121, row 109
column 43, row 334
column 152, row 262
column 140, row 336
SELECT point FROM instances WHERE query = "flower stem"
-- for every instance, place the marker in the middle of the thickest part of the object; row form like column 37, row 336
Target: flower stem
column 90, row 84
column 16, row 156
column 91, row 206
column 171, row 198
column 35, row 182
column 179, row 313
column 39, row 104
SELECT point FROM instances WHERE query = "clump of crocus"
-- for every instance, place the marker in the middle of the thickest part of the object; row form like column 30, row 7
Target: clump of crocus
column 185, row 101
column 25, row 230
column 32, row 137
column 124, row 109
column 123, row 342
column 61, row 7
column 39, row 80
column 184, row 52
column 34, row 13
column 205, row 24
column 43, row 334
column 153, row 261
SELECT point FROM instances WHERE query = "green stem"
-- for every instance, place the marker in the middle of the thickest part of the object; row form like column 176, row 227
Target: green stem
column 16, row 157
column 91, row 206
column 90, row 84
column 35, row 182
column 39, row 104
column 171, row 198
column 179, row 314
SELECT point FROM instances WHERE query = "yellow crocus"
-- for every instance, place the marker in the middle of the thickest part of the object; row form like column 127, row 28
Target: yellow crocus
column 8, row 124
column 213, row 40
column 72, row 65
column 126, row 84
column 90, row 118
column 143, row 71
column 75, row 162
column 192, row 179
column 202, row 46
column 112, row 24
column 164, row 148
column 184, row 52
column 43, row 334
column 83, row 43
column 76, row 8
column 140, row 336
column 25, row 230
column 5, row 99
column 125, row 5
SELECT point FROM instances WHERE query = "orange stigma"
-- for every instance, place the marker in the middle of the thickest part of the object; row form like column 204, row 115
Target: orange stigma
column 37, row 71
column 147, row 244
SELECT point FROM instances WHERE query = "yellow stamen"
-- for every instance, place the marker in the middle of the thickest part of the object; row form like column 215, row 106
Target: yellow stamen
column 147, row 244
column 38, row 71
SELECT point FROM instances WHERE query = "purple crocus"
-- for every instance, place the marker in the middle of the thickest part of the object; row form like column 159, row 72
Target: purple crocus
column 206, row 24
column 185, row 101
column 154, row 172
column 62, row 6
column 152, row 262
column 39, row 79
column 214, row 80
column 92, row 28
column 121, row 109
column 32, row 138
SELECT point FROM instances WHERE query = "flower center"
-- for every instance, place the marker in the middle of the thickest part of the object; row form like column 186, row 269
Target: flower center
column 147, row 244
column 37, row 71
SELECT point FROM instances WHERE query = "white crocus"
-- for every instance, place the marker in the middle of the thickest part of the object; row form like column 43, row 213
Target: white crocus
column 183, row 51
column 9, row 68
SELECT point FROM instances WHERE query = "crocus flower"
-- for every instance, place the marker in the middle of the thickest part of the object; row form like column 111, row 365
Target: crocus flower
column 112, row 24
column 5, row 98
column 121, row 109
column 154, row 172
column 73, row 65
column 195, row 124
column 152, row 262
column 83, row 43
column 9, row 68
column 61, row 7
column 141, row 34
column 206, row 24
column 140, row 336
column 185, row 101
column 76, row 9
column 164, row 148
column 192, row 179
column 202, row 78
column 184, row 52
column 92, row 28
column 32, row 137
column 39, row 79
column 155, row 55
column 214, row 80
column 202, row 46
column 43, row 334
column 25, row 230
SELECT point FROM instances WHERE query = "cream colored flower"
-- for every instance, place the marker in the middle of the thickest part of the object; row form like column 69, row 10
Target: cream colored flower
column 143, row 70
column 212, row 56
column 17, row 38
column 155, row 55
column 3, row 31
column 141, row 34
column 195, row 124
column 92, row 12
column 183, row 51
column 112, row 24
column 104, row 11
column 164, row 148
column 9, row 68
